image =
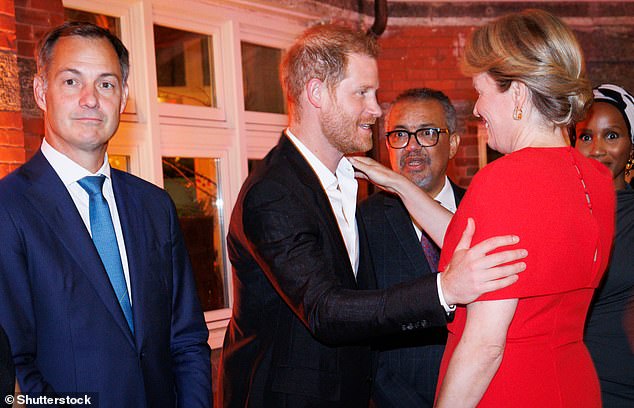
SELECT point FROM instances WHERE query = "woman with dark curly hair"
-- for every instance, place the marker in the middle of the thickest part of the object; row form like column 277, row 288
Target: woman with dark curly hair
column 606, row 135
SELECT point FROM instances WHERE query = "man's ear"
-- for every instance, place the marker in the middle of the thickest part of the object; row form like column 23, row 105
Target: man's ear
column 124, row 98
column 316, row 92
column 454, row 143
column 39, row 92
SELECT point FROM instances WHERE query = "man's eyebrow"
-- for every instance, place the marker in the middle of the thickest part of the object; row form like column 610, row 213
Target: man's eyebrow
column 77, row 72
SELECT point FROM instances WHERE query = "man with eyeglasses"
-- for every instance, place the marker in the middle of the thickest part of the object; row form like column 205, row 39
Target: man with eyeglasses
column 421, row 140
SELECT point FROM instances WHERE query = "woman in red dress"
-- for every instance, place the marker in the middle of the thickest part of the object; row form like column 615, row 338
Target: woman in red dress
column 523, row 346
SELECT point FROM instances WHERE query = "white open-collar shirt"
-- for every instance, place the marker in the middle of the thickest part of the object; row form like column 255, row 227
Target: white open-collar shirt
column 341, row 189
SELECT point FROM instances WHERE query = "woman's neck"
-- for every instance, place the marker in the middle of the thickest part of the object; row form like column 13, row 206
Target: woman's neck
column 541, row 135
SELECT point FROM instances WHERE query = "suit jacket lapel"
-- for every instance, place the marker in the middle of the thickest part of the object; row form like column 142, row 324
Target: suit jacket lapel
column 458, row 192
column 401, row 223
column 135, row 240
column 51, row 199
column 366, row 278
column 307, row 176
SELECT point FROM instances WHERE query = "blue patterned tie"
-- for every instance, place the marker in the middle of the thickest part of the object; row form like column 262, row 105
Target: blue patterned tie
column 105, row 240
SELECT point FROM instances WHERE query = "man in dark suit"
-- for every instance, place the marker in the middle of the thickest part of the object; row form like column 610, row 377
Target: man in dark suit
column 303, row 307
column 7, row 371
column 98, row 295
column 421, row 138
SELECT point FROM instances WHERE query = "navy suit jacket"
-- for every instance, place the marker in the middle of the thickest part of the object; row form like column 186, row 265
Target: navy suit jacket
column 66, row 328
column 408, row 363
column 299, row 331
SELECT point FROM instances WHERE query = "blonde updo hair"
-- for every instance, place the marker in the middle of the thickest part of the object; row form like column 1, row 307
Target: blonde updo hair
column 538, row 49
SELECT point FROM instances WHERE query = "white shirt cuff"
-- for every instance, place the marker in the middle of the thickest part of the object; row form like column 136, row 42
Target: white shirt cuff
column 448, row 308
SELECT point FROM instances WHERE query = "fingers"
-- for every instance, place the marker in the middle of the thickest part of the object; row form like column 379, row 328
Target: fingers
column 499, row 284
column 362, row 160
column 502, row 272
column 467, row 235
column 492, row 243
column 500, row 258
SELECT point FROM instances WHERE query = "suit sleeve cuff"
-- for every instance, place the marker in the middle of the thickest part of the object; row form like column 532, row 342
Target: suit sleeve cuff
column 448, row 308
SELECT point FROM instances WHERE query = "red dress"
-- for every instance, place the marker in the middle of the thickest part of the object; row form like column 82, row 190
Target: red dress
column 539, row 195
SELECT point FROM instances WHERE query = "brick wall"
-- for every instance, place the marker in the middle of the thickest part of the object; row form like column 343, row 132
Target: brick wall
column 423, row 55
column 11, row 132
column 420, row 48
column 22, row 23
column 416, row 56
column 33, row 19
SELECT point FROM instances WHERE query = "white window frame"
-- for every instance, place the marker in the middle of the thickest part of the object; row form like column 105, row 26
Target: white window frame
column 150, row 130
column 165, row 14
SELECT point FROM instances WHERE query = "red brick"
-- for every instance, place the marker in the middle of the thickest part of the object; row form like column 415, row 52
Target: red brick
column 387, row 97
column 7, row 7
column 33, row 125
column 26, row 48
column 32, row 142
column 402, row 85
column 5, row 169
column 35, row 17
column 466, row 161
column 468, row 141
column 11, row 120
column 24, row 31
column 48, row 5
column 7, row 22
column 471, row 171
column 11, row 155
column 11, row 137
column 470, row 151
column 454, row 73
column 7, row 41
column 392, row 53
column 464, row 182
column 392, row 64
column 441, row 84
column 413, row 32
column 422, row 74
column 420, row 52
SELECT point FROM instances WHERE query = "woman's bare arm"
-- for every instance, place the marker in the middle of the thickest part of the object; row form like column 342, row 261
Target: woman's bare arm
column 478, row 355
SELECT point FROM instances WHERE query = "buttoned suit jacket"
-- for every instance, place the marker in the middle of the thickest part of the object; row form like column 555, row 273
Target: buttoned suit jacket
column 66, row 327
column 301, row 322
column 408, row 364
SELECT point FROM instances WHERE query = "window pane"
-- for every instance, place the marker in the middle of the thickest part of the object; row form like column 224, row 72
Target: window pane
column 184, row 67
column 111, row 24
column 194, row 185
column 119, row 162
column 261, row 79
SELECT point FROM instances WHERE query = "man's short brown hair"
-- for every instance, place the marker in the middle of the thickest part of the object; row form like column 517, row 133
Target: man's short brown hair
column 321, row 52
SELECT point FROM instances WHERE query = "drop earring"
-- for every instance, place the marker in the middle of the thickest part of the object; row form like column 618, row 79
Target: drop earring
column 517, row 113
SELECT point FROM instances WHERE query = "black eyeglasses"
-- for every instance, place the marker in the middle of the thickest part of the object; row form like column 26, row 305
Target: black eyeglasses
column 426, row 137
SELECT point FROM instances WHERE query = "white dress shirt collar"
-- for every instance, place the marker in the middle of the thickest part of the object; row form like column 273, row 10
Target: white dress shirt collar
column 446, row 197
column 68, row 170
